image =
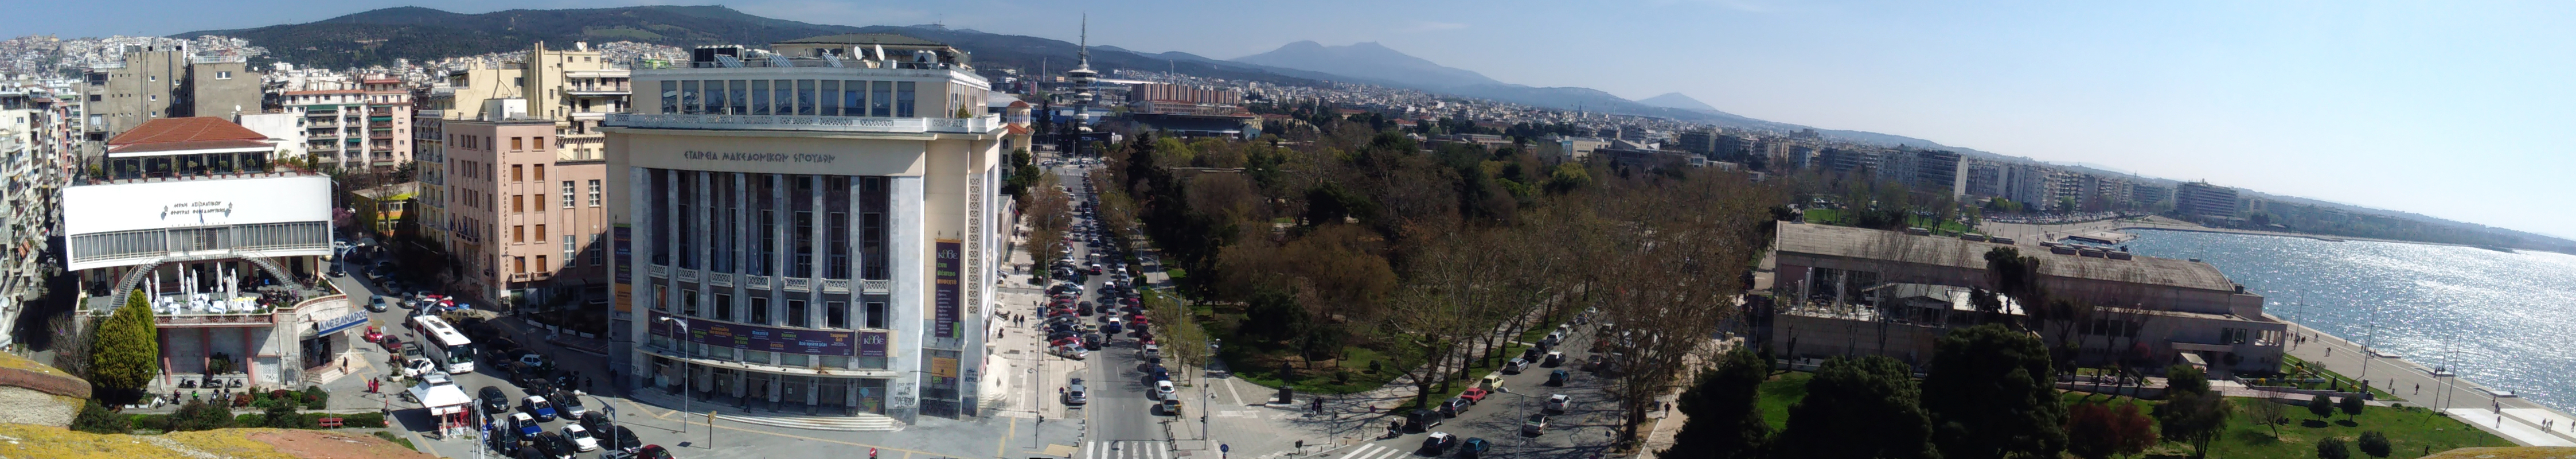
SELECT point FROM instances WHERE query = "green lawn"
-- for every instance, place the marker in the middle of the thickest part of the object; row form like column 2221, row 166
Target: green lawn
column 2410, row 430
column 2320, row 372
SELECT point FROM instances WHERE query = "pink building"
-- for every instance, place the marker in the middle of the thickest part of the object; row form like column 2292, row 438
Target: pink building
column 525, row 223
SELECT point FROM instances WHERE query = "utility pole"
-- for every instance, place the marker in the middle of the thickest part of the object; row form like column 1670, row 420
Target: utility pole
column 685, row 380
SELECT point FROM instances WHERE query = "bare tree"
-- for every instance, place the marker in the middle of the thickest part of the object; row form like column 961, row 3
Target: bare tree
column 1677, row 252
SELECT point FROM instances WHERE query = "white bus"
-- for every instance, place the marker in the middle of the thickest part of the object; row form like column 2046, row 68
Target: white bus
column 445, row 345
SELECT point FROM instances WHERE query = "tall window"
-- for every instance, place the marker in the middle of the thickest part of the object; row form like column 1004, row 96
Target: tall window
column 540, row 143
column 802, row 199
column 872, row 228
column 688, row 219
column 760, row 310
column 836, row 314
column 541, row 232
column 656, row 181
column 567, row 194
column 796, row 314
column 875, row 315
column 516, row 144
column 594, row 192
column 724, row 307
column 542, row 266
column 541, row 168
column 517, row 172
column 903, row 99
column 741, row 100
column 786, row 96
column 710, row 101
column 759, row 97
column 568, row 246
column 518, row 203
column 725, row 232
column 671, row 96
column 829, row 98
column 805, row 97
column 881, row 98
column 519, row 265
column 518, row 234
column 689, row 303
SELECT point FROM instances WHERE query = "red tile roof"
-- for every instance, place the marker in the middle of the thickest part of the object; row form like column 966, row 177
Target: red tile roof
column 190, row 133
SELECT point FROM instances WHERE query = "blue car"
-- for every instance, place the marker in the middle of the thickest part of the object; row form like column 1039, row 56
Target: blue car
column 543, row 410
column 528, row 427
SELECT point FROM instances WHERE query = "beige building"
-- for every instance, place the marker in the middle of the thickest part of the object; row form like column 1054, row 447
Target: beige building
column 523, row 219
column 575, row 88
column 821, row 222
column 1853, row 290
column 168, row 82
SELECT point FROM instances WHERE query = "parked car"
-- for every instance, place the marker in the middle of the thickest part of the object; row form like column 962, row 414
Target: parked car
column 494, row 402
column 1554, row 359
column 1515, row 366
column 1558, row 378
column 1152, row 351
column 1163, row 390
column 595, row 421
column 1454, row 406
column 378, row 303
column 555, row 446
column 1423, row 420
column 624, row 440
column 1558, row 403
column 1534, row 425
column 504, row 441
column 1171, row 406
column 1475, row 394
column 580, row 437
column 1437, row 444
column 1076, row 394
column 652, row 452
column 416, row 366
column 537, row 406
column 569, row 405
column 526, row 424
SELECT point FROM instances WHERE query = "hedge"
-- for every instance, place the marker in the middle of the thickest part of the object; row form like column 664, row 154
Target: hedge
column 161, row 422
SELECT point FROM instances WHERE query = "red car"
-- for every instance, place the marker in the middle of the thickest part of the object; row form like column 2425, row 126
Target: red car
column 1476, row 394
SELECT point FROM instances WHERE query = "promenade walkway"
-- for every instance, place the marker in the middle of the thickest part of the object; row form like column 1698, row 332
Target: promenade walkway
column 2520, row 420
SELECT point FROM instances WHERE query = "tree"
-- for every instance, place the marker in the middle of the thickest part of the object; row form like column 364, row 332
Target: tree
column 2351, row 407
column 1990, row 394
column 2321, row 406
column 71, row 342
column 1725, row 418
column 2268, row 413
column 282, row 415
column 97, row 419
column 2096, row 431
column 2374, row 443
column 1858, row 408
column 127, row 352
column 2332, row 448
column 2191, row 413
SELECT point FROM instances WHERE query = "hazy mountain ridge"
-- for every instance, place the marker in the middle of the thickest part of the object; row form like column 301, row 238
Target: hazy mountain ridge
column 1677, row 100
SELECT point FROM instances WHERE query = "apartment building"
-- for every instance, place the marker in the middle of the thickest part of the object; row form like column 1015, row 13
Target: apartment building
column 524, row 220
column 810, row 230
column 575, row 88
column 357, row 124
column 38, row 138
column 2201, row 200
column 153, row 82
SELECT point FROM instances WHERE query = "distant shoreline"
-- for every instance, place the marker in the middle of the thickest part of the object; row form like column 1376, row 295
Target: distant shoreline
column 2052, row 232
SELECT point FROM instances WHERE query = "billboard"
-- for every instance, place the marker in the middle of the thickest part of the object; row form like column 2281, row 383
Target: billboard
column 92, row 209
column 943, row 291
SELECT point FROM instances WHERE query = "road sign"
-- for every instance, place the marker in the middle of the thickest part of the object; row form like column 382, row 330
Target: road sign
column 1224, row 448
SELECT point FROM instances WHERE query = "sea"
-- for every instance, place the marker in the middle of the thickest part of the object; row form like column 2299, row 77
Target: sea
column 2504, row 320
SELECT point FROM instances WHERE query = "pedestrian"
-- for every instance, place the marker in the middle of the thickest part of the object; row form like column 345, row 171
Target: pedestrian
column 2419, row 388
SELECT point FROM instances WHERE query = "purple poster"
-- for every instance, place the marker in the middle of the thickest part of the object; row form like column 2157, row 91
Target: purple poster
column 759, row 338
column 873, row 344
column 943, row 290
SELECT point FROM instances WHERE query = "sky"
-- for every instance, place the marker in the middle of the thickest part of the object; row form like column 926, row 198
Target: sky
column 2461, row 110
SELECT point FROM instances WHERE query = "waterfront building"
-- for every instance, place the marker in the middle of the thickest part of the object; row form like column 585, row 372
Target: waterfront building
column 1845, row 290
column 227, row 243
column 820, row 219
column 2203, row 201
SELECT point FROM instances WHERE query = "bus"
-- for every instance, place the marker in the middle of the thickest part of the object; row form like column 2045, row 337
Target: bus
column 445, row 345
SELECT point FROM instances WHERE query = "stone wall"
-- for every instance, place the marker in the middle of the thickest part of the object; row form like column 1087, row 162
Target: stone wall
column 34, row 393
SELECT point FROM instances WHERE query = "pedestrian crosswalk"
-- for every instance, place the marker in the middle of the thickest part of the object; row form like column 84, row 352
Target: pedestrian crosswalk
column 1127, row 449
column 1373, row 451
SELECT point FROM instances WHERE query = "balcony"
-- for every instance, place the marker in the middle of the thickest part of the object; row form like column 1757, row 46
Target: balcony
column 799, row 284
column 980, row 125
column 659, row 271
column 876, row 287
column 720, row 279
column 836, row 286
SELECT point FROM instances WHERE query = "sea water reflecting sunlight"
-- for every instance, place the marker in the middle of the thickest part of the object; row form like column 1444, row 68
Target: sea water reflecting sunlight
column 2510, row 317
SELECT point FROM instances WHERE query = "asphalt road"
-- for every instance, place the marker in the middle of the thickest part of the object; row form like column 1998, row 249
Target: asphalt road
column 1123, row 421
column 1583, row 431
column 396, row 323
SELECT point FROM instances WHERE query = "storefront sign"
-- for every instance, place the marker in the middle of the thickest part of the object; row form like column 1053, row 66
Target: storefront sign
column 943, row 289
column 873, row 344
column 759, row 338
column 758, row 157
column 334, row 325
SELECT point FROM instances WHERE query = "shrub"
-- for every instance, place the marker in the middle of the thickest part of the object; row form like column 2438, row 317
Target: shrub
column 97, row 419
column 315, row 398
column 2374, row 443
column 152, row 422
column 283, row 416
column 2332, row 448
column 198, row 415
column 241, row 400
column 369, row 420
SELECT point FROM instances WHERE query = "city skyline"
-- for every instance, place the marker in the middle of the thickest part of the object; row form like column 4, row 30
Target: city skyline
column 2332, row 102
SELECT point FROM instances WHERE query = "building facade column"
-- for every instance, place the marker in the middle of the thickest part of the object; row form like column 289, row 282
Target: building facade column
column 905, row 248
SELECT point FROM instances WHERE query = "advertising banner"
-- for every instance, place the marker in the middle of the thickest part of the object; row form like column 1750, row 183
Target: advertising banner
column 945, row 277
column 758, row 338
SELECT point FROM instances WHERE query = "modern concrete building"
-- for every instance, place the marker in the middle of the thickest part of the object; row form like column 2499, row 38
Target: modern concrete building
column 225, row 242
column 524, row 220
column 357, row 124
column 2201, row 200
column 1852, row 290
column 818, row 220
column 169, row 82
column 1561, row 149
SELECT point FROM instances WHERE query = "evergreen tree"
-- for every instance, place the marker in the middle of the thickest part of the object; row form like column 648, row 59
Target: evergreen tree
column 2191, row 413
column 1858, row 408
column 1725, row 416
column 97, row 419
column 1989, row 395
column 128, row 350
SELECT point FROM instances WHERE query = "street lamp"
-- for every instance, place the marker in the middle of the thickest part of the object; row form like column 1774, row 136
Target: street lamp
column 685, row 380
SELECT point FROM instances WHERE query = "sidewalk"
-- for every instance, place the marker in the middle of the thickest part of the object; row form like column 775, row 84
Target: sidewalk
column 2472, row 403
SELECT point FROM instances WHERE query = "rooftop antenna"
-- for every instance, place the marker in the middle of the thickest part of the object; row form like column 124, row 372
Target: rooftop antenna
column 1085, row 50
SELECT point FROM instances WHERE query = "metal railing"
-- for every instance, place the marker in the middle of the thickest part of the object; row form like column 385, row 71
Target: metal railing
column 799, row 284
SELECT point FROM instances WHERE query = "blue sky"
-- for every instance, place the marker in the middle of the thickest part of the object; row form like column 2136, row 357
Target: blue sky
column 2462, row 110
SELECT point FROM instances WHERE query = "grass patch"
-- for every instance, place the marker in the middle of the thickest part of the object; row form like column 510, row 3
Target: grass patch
column 2411, row 430
column 389, row 436
column 2319, row 371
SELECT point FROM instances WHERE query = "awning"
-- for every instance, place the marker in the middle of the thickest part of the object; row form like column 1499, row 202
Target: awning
column 441, row 399
column 334, row 325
